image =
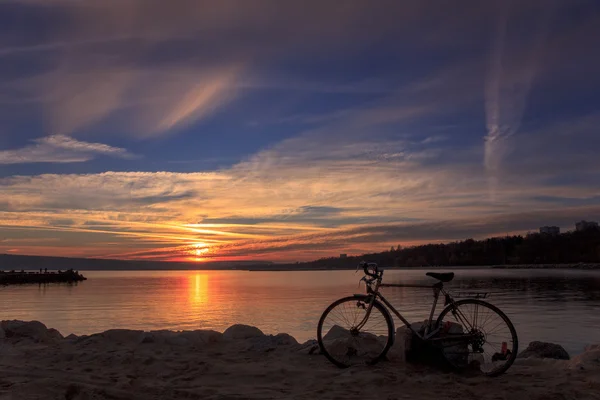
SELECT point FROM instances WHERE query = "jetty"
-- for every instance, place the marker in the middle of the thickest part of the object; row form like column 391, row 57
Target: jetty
column 23, row 277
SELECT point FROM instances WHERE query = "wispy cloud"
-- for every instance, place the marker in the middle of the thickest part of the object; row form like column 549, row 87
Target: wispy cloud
column 151, row 101
column 202, row 98
column 347, row 156
column 60, row 149
column 305, row 197
column 513, row 68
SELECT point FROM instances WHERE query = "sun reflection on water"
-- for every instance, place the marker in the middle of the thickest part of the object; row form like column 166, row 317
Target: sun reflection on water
column 198, row 289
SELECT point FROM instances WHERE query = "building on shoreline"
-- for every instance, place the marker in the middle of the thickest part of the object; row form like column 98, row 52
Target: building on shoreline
column 585, row 225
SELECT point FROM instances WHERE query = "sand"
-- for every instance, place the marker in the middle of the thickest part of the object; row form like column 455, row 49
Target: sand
column 242, row 363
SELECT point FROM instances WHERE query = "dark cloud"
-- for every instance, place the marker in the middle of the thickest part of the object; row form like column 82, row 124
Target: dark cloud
column 379, row 236
column 320, row 216
column 61, row 222
column 165, row 198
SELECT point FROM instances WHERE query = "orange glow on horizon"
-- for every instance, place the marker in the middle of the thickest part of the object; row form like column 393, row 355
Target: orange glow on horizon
column 198, row 250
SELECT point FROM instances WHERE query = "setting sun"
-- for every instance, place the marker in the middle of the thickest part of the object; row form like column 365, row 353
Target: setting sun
column 198, row 250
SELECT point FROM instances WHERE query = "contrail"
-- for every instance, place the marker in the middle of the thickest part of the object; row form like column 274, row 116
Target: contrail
column 511, row 74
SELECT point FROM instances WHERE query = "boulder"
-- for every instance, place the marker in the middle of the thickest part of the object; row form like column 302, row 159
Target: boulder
column 240, row 331
column 283, row 339
column 588, row 360
column 591, row 347
column 457, row 355
column 53, row 334
column 122, row 336
column 201, row 337
column 309, row 347
column 544, row 350
column 183, row 338
column 408, row 347
column 341, row 342
column 363, row 346
column 419, row 326
column 33, row 330
column 160, row 336
column 270, row 342
column 336, row 332
column 401, row 346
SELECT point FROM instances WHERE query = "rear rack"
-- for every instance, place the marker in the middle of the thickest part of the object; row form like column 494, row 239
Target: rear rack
column 472, row 295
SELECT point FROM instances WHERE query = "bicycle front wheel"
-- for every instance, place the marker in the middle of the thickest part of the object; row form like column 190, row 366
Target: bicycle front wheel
column 346, row 339
column 476, row 333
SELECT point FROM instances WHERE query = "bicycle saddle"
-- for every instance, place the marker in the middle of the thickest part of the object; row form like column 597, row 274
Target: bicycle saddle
column 441, row 276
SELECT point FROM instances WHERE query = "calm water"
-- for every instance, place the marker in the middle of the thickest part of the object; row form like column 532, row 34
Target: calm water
column 549, row 305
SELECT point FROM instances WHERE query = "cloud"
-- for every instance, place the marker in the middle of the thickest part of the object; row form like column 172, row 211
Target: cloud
column 60, row 149
column 142, row 101
column 153, row 68
column 156, row 68
column 513, row 67
column 305, row 197
column 399, row 156
column 202, row 98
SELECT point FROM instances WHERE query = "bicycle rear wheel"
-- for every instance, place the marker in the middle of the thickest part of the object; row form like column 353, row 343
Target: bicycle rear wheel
column 344, row 343
column 490, row 339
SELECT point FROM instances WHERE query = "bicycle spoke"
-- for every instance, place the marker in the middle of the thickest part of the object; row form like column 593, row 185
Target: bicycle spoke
column 346, row 345
column 492, row 344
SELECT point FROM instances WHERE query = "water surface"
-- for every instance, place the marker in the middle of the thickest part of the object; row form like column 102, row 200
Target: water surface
column 560, row 306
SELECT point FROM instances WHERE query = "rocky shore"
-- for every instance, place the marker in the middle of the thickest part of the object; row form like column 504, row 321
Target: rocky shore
column 243, row 363
column 23, row 277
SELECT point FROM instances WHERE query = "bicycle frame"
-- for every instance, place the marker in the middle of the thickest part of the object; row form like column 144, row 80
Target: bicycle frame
column 428, row 333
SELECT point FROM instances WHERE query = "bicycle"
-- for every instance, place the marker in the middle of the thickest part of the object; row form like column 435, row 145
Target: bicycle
column 359, row 329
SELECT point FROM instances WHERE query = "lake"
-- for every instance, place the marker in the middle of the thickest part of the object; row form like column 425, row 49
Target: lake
column 560, row 306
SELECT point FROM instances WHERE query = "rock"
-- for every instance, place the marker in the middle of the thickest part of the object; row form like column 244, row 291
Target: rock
column 544, row 350
column 33, row 330
column 336, row 332
column 269, row 342
column 183, row 338
column 121, row 336
column 591, row 347
column 309, row 347
column 165, row 337
column 72, row 337
column 458, row 355
column 148, row 338
column 341, row 343
column 283, row 339
column 202, row 336
column 54, row 334
column 588, row 360
column 2, row 335
column 408, row 347
column 401, row 346
column 419, row 326
column 177, row 340
column 240, row 331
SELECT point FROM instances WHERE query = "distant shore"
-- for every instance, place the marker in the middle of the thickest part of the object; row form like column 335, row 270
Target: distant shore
column 25, row 277
column 550, row 266
column 586, row 266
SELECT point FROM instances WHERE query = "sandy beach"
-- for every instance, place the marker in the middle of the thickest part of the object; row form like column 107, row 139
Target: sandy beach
column 243, row 363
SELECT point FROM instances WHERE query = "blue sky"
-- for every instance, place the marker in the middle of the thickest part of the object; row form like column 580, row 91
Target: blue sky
column 292, row 131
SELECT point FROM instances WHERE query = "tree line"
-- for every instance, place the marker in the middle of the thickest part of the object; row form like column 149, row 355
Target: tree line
column 565, row 248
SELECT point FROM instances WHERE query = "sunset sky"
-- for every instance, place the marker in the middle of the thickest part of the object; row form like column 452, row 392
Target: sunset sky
column 284, row 131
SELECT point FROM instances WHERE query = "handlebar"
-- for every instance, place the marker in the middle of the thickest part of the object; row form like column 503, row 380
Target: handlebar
column 366, row 265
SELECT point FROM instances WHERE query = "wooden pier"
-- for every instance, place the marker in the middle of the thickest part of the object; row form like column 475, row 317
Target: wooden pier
column 23, row 277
